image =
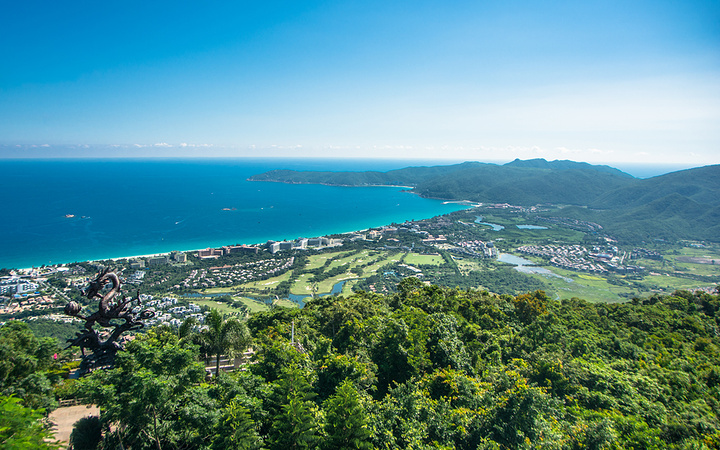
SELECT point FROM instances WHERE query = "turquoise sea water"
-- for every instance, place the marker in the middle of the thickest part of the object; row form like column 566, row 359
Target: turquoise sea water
column 135, row 207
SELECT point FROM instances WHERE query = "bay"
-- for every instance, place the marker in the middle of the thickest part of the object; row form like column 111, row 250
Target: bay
column 61, row 211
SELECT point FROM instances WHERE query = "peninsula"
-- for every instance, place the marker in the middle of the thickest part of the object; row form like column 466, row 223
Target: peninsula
column 679, row 205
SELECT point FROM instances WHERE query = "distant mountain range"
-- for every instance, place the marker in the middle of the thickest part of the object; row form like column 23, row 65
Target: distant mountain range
column 678, row 205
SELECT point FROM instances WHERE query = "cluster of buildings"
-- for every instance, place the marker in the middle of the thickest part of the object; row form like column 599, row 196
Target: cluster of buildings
column 227, row 250
column 230, row 275
column 166, row 313
column 19, row 305
column 14, row 285
column 573, row 257
column 475, row 249
column 577, row 257
column 430, row 239
column 639, row 253
column 302, row 243
column 158, row 260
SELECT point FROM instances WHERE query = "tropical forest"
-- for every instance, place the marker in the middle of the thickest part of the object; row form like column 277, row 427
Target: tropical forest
column 424, row 367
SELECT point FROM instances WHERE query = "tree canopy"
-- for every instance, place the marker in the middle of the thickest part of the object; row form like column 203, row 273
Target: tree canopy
column 427, row 367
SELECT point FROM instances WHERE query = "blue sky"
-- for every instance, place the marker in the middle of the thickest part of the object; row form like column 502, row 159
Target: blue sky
column 598, row 81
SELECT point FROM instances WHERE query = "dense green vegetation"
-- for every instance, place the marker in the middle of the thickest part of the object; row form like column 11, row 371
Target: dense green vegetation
column 425, row 367
column 433, row 367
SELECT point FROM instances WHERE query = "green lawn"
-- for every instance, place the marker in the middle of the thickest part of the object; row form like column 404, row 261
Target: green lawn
column 315, row 261
column 253, row 305
column 416, row 258
column 220, row 306
column 219, row 290
column 286, row 303
column 385, row 258
column 590, row 290
column 670, row 283
column 270, row 283
column 303, row 286
column 348, row 258
column 696, row 267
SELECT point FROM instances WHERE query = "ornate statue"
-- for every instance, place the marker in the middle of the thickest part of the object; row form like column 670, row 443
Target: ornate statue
column 118, row 314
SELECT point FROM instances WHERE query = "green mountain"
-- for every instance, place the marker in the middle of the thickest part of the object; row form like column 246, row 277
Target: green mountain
column 678, row 205
column 521, row 182
column 523, row 185
column 409, row 176
column 540, row 163
column 701, row 184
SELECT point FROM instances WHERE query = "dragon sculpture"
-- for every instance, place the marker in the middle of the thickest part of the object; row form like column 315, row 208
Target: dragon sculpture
column 118, row 313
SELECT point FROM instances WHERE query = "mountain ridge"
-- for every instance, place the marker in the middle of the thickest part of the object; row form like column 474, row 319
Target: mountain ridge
column 678, row 205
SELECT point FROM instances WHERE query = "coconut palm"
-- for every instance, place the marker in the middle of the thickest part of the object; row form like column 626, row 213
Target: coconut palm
column 223, row 336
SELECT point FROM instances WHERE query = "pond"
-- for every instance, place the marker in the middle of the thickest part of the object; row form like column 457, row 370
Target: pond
column 531, row 227
column 526, row 266
column 515, row 260
column 495, row 227
column 300, row 299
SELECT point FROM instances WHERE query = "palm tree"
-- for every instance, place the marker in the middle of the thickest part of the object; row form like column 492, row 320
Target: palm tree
column 223, row 336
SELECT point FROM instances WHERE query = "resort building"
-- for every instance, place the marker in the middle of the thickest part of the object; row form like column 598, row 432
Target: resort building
column 211, row 253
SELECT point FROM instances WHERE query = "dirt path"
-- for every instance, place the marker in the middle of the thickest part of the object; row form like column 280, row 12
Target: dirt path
column 64, row 419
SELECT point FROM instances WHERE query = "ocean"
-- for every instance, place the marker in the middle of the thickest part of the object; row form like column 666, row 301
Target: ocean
column 62, row 211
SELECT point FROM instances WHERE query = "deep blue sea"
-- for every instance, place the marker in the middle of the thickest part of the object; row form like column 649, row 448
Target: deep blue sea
column 136, row 207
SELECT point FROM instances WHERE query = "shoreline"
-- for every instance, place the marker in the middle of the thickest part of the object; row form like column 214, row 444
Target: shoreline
column 468, row 203
column 334, row 184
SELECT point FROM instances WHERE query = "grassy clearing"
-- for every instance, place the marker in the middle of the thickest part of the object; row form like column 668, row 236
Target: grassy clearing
column 315, row 261
column 265, row 284
column 386, row 258
column 416, row 258
column 253, row 305
column 220, row 306
column 670, row 283
column 326, row 286
column 589, row 277
column 700, row 262
column 348, row 287
column 348, row 258
column 304, row 287
column 219, row 290
column 560, row 289
column 301, row 285
column 286, row 303
column 468, row 265
column 589, row 287
column 598, row 289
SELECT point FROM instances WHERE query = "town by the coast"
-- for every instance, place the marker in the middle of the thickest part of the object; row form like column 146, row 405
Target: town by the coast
column 500, row 248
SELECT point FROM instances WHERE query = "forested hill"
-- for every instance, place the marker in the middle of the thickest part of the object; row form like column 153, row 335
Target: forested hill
column 683, row 204
column 409, row 176
column 678, row 205
column 518, row 182
column 431, row 368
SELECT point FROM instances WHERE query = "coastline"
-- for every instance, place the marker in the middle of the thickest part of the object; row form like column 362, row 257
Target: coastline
column 179, row 205
column 194, row 250
column 333, row 184
column 467, row 203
